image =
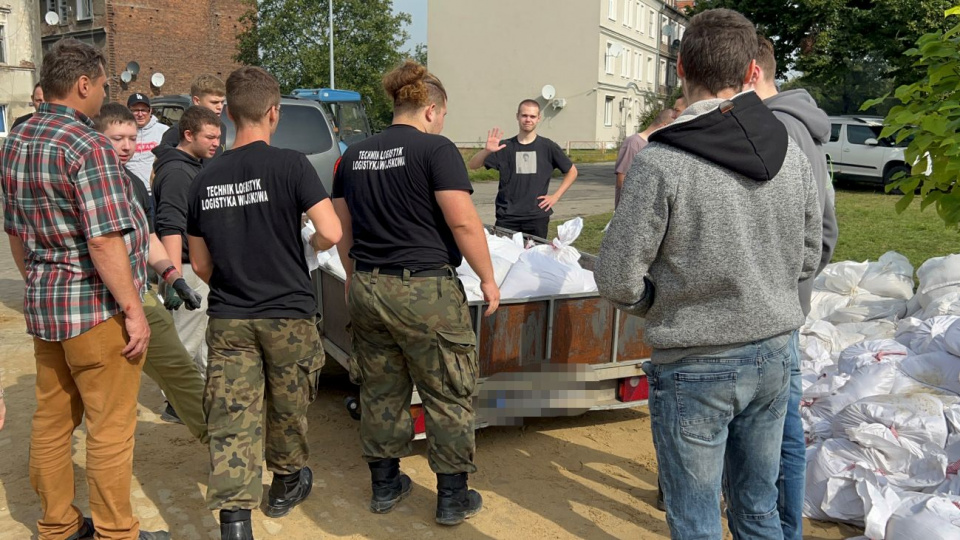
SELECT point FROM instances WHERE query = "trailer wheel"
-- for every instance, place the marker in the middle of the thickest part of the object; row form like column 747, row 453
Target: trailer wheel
column 353, row 407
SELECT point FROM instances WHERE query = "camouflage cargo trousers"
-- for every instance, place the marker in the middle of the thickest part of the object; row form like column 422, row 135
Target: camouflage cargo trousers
column 414, row 331
column 254, row 366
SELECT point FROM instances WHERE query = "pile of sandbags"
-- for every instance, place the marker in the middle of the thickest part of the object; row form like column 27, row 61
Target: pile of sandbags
column 881, row 398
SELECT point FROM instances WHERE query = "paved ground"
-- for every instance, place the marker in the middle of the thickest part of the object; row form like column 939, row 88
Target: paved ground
column 592, row 193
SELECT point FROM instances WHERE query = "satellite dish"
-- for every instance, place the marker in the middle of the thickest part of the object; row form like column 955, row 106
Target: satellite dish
column 133, row 67
column 52, row 18
column 548, row 92
column 158, row 79
column 126, row 77
column 616, row 49
column 668, row 30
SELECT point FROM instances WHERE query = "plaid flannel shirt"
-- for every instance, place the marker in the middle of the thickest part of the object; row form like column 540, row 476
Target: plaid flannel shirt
column 62, row 185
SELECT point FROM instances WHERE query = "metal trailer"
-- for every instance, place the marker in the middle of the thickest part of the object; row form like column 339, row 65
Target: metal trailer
column 596, row 350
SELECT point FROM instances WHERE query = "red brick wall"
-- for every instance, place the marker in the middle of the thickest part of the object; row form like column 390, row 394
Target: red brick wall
column 180, row 39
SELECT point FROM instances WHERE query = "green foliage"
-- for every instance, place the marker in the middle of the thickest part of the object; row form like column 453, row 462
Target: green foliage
column 846, row 49
column 928, row 112
column 290, row 39
column 420, row 53
column 654, row 104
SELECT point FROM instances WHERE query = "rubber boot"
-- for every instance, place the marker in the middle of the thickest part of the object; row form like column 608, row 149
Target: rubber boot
column 390, row 485
column 287, row 491
column 455, row 502
column 235, row 525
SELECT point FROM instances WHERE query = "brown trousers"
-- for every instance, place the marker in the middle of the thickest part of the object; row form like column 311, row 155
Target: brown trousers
column 85, row 377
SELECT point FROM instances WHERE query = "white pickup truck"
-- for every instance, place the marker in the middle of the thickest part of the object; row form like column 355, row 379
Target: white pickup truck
column 856, row 150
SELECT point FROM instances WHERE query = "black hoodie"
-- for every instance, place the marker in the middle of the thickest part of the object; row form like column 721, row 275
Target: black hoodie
column 719, row 219
column 174, row 171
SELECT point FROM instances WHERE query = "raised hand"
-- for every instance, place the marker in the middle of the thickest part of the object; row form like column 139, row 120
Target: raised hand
column 493, row 140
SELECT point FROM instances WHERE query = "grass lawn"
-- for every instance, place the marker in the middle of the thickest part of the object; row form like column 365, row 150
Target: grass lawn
column 869, row 227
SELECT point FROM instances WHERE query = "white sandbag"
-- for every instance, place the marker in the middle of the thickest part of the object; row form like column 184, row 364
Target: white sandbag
column 938, row 277
column 861, row 496
column 925, row 517
column 914, row 420
column 905, row 465
column 501, row 267
column 820, row 343
column 937, row 369
column 872, row 380
column 471, row 286
column 330, row 260
column 561, row 248
column 308, row 252
column 536, row 274
column 824, row 461
column 927, row 336
column 890, row 277
column 841, row 277
column 864, row 306
column 948, row 304
column 823, row 304
column 504, row 247
column 871, row 352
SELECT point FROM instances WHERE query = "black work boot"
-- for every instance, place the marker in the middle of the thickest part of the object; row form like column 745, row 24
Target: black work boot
column 390, row 485
column 235, row 525
column 287, row 491
column 455, row 502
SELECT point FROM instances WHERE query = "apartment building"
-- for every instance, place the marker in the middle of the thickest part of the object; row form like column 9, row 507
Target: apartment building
column 594, row 65
column 19, row 59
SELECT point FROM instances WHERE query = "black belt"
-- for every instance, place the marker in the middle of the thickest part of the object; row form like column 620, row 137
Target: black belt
column 398, row 271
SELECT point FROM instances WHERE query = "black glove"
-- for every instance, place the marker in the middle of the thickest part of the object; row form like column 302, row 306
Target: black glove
column 189, row 296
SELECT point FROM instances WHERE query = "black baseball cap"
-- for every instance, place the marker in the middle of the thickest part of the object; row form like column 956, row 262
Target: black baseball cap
column 137, row 98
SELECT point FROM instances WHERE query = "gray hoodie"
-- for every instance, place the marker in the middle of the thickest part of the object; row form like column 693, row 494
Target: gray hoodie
column 809, row 127
column 148, row 138
column 719, row 219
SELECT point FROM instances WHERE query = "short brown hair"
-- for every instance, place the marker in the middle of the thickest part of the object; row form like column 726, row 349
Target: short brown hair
column 531, row 102
column 65, row 63
column 251, row 92
column 765, row 58
column 665, row 117
column 195, row 117
column 716, row 50
column 412, row 87
column 207, row 84
column 113, row 113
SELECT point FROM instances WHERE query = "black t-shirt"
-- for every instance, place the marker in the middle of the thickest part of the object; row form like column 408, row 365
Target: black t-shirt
column 142, row 196
column 247, row 205
column 525, row 171
column 389, row 181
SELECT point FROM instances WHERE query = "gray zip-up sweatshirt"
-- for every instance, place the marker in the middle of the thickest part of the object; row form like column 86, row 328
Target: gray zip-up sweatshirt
column 719, row 219
column 809, row 127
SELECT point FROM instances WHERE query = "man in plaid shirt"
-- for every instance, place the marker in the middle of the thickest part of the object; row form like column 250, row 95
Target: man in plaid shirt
column 81, row 247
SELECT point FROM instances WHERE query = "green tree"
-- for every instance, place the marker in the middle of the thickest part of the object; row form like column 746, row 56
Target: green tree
column 289, row 38
column 420, row 53
column 927, row 113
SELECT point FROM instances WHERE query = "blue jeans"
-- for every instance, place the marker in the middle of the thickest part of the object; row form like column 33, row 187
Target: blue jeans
column 716, row 413
column 793, row 454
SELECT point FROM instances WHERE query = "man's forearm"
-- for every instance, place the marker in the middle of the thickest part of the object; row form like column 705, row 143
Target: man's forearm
column 160, row 261
column 112, row 262
column 477, row 160
column 16, row 249
column 173, row 244
column 618, row 189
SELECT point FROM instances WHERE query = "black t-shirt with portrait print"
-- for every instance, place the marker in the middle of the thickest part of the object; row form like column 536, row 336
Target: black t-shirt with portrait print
column 525, row 171
column 389, row 182
column 247, row 206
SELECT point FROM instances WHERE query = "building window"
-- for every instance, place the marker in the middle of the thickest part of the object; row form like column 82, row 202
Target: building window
column 608, row 111
column 650, row 69
column 664, row 38
column 639, row 17
column 638, row 60
column 3, row 121
column 626, row 13
column 3, row 44
column 84, row 10
column 612, row 9
column 609, row 59
column 652, row 20
column 625, row 64
column 663, row 72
